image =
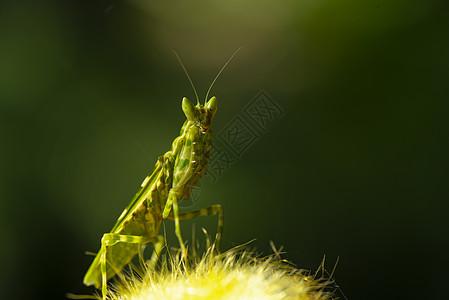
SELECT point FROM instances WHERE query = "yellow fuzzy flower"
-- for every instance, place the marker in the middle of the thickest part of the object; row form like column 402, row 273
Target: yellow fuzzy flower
column 235, row 274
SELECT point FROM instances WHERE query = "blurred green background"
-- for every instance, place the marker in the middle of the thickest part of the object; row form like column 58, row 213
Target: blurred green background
column 356, row 168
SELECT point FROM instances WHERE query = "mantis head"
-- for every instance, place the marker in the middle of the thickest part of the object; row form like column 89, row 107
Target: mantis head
column 200, row 115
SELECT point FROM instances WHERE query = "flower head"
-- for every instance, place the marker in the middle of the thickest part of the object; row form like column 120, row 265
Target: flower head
column 235, row 274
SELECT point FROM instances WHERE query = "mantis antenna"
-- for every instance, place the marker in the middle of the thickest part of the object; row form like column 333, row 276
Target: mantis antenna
column 219, row 73
column 187, row 73
column 215, row 79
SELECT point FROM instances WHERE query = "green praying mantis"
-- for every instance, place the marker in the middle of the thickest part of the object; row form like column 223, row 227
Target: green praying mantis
column 171, row 180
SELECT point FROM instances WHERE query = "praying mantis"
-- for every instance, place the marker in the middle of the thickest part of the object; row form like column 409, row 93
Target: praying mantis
column 171, row 180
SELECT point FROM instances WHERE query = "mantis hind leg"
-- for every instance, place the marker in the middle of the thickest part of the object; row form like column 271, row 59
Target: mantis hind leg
column 208, row 211
column 108, row 241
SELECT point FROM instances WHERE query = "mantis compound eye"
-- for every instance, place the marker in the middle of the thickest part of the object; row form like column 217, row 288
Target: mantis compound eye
column 211, row 105
column 189, row 109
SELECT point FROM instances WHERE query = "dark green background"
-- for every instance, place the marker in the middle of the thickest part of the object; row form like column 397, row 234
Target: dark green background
column 357, row 168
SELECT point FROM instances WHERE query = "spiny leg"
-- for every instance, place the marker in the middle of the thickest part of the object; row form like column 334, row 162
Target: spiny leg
column 110, row 239
column 208, row 211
